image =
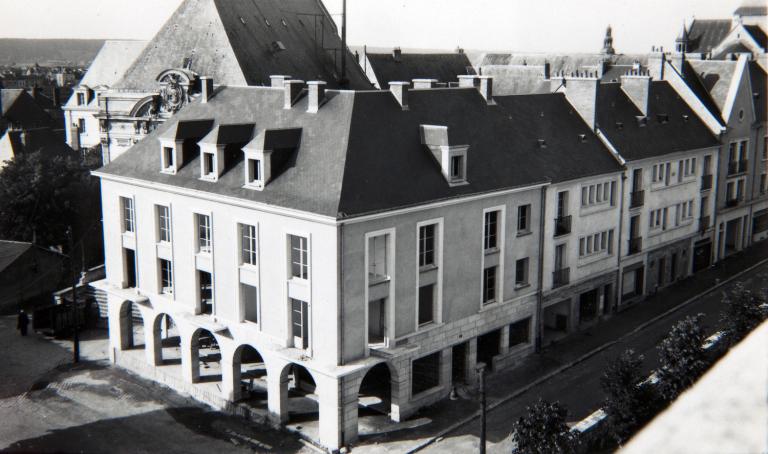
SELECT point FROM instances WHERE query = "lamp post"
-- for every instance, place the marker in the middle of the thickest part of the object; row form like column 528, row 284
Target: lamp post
column 480, row 368
column 75, row 331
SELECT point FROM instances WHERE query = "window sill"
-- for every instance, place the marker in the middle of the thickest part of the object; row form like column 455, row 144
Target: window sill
column 592, row 258
column 254, row 186
column 425, row 268
column 524, row 233
column 661, row 186
column 522, row 285
column 249, row 267
column 375, row 280
column 491, row 251
column 595, row 209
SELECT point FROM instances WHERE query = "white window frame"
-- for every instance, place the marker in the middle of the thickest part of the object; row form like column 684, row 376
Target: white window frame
column 250, row 250
column 438, row 306
column 203, row 247
column 166, row 290
column 391, row 235
column 128, row 215
column 596, row 244
column 304, row 257
column 597, row 194
column 164, row 224
column 371, row 257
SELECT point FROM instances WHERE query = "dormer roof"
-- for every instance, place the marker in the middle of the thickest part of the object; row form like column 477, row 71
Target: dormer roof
column 229, row 134
column 275, row 139
column 186, row 129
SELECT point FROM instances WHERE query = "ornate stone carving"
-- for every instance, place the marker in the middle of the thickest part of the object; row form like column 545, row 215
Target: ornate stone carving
column 175, row 89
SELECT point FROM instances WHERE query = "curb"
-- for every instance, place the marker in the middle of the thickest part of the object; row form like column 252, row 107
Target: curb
column 582, row 358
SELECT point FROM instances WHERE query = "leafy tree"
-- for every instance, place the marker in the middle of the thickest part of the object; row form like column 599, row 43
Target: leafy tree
column 42, row 194
column 681, row 356
column 628, row 404
column 744, row 310
column 543, row 430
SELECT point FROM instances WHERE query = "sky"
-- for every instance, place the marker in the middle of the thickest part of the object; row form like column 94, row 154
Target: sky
column 517, row 25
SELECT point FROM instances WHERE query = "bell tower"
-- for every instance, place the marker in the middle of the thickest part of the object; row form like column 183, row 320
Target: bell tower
column 608, row 42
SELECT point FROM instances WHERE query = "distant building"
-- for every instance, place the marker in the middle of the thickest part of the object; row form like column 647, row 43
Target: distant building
column 437, row 69
column 727, row 39
column 28, row 274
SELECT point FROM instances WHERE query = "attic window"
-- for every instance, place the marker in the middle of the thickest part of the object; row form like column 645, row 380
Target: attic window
column 542, row 143
column 168, row 161
column 80, row 99
column 582, row 138
column 282, row 21
column 277, row 46
column 266, row 21
column 458, row 168
column 209, row 168
column 242, row 21
column 619, row 125
column 662, row 118
column 685, row 118
column 255, row 176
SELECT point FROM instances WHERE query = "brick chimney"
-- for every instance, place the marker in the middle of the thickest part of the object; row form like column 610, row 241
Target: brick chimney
column 400, row 91
column 206, row 88
column 316, row 95
column 278, row 81
column 581, row 90
column 292, row 89
column 424, row 83
column 397, row 54
column 637, row 85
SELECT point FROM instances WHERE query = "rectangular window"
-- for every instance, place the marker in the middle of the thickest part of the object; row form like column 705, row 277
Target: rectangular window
column 166, row 277
column 489, row 285
column 208, row 167
column 300, row 323
column 427, row 245
column 596, row 194
column 81, row 125
column 490, row 234
column 521, row 272
column 168, row 157
column 425, row 373
column 299, row 257
column 520, row 332
column 249, row 297
column 163, row 224
column 596, row 243
column 205, row 292
column 254, row 171
column 129, row 221
column 80, row 99
column 248, row 245
column 457, row 167
column 426, row 304
column 377, row 258
column 524, row 219
column 203, row 233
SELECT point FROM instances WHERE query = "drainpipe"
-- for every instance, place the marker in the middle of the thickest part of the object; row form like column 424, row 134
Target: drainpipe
column 619, row 282
column 340, row 297
column 715, row 211
column 539, row 294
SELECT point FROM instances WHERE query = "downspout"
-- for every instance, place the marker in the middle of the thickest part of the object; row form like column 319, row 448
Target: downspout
column 539, row 294
column 715, row 211
column 619, row 281
column 340, row 293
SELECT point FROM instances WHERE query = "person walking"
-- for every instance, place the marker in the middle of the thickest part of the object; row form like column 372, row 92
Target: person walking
column 22, row 322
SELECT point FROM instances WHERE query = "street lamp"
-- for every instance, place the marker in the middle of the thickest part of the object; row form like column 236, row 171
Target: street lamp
column 480, row 368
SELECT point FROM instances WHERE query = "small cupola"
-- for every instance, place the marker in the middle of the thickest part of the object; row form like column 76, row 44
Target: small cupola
column 178, row 144
column 265, row 156
column 220, row 149
column 452, row 159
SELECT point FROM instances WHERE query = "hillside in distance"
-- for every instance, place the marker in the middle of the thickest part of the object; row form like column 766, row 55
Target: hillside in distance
column 48, row 52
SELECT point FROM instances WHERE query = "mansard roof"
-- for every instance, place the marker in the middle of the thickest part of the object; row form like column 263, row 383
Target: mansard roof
column 671, row 126
column 242, row 42
column 408, row 66
column 362, row 153
column 706, row 34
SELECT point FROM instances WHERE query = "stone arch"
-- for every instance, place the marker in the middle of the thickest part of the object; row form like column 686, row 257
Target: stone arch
column 376, row 390
column 146, row 107
column 167, row 337
column 205, row 356
column 300, row 387
column 131, row 326
column 249, row 375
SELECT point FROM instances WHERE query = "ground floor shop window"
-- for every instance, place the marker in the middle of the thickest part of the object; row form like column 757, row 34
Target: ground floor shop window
column 519, row 332
column 426, row 373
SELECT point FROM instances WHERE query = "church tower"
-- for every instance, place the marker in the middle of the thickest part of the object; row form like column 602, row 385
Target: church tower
column 608, row 42
column 682, row 41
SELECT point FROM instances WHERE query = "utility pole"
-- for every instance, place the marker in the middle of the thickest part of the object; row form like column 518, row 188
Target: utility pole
column 75, row 331
column 343, row 82
column 480, row 368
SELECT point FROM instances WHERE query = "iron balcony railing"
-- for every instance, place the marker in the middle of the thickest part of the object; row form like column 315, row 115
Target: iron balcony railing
column 706, row 182
column 736, row 167
column 637, row 199
column 562, row 225
column 732, row 202
column 561, row 277
column 635, row 245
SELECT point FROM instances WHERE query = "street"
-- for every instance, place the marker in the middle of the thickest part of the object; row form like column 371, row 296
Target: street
column 578, row 388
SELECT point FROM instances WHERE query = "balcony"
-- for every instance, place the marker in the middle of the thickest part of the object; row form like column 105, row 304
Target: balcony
column 706, row 183
column 636, row 199
column 562, row 225
column 703, row 224
column 737, row 167
column 635, row 245
column 732, row 202
column 561, row 277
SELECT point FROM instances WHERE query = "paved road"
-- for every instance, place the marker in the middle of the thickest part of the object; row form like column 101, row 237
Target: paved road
column 578, row 388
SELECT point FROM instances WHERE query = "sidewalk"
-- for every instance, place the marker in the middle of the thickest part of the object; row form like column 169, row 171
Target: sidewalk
column 446, row 416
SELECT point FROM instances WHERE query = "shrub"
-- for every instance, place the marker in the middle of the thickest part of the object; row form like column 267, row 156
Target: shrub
column 543, row 430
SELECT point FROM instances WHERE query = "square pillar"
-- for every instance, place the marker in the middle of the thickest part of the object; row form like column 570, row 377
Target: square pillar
column 190, row 360
column 504, row 340
column 446, row 363
column 277, row 393
column 469, row 374
column 329, row 393
column 230, row 380
column 400, row 393
column 153, row 343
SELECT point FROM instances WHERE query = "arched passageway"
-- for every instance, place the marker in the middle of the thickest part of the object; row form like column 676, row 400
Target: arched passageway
column 250, row 376
column 302, row 400
column 131, row 326
column 206, row 356
column 375, row 395
column 168, row 338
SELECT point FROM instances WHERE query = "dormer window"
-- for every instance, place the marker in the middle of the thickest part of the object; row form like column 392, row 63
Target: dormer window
column 178, row 142
column 254, row 176
column 267, row 154
column 80, row 99
column 209, row 165
column 167, row 157
column 457, row 168
column 452, row 159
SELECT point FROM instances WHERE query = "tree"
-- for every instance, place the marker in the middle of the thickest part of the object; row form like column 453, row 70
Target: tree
column 744, row 310
column 543, row 430
column 42, row 194
column 682, row 357
column 629, row 404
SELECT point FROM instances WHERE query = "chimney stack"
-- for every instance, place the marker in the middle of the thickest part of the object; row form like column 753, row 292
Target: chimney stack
column 637, row 85
column 486, row 88
column 206, row 88
column 316, row 95
column 397, row 54
column 424, row 83
column 466, row 81
column 581, row 90
column 400, row 90
column 56, row 96
column 292, row 89
column 278, row 81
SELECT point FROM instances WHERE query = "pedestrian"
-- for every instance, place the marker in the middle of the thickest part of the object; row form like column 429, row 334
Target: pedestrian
column 22, row 322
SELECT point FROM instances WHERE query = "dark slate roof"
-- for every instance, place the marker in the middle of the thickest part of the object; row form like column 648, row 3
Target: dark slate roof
column 236, row 43
column 706, row 34
column 19, row 108
column 751, row 10
column 617, row 117
column 758, row 34
column 10, row 251
column 226, row 134
column 443, row 67
column 758, row 80
column 734, row 48
column 701, row 90
column 362, row 153
column 39, row 139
